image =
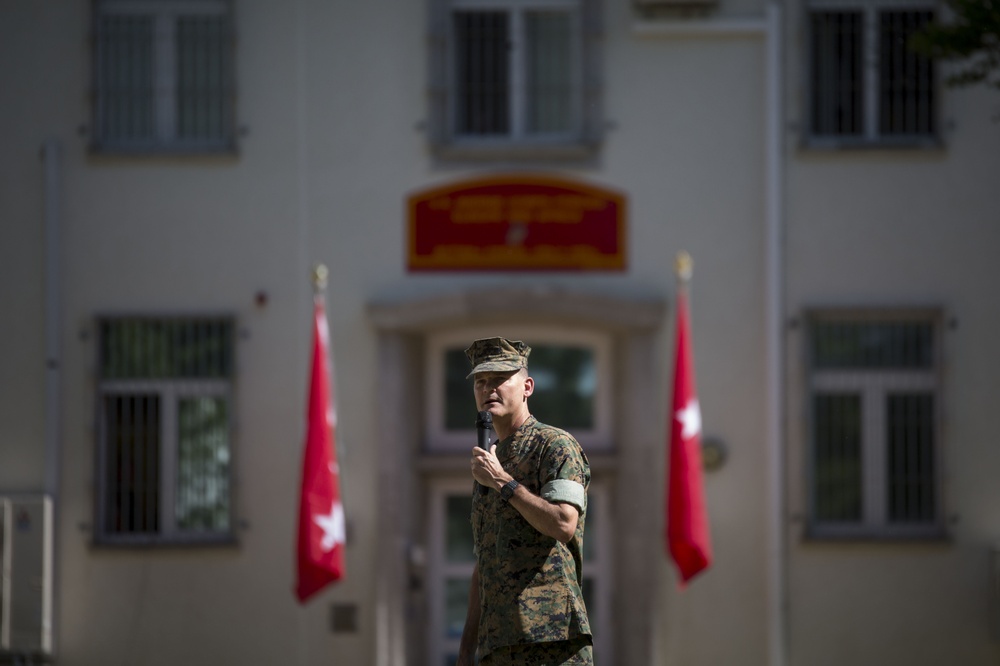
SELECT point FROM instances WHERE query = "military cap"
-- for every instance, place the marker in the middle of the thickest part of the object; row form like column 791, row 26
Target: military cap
column 497, row 355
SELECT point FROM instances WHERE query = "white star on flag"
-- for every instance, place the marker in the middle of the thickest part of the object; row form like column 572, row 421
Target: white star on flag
column 690, row 418
column 333, row 527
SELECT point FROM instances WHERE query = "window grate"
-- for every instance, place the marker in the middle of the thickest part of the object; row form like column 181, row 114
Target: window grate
column 163, row 348
column 549, row 72
column 163, row 76
column 837, row 434
column 906, row 79
column 910, row 436
column 482, row 42
column 201, row 78
column 865, row 83
column 889, row 344
column 125, row 65
column 132, row 447
column 874, row 457
column 838, row 107
column 165, row 442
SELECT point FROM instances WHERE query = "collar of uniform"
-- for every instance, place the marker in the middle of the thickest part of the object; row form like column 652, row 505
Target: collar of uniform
column 511, row 446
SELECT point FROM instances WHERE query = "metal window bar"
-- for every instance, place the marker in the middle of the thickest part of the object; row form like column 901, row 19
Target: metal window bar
column 549, row 72
column 482, row 72
column 837, row 459
column 164, row 75
column 873, row 345
column 165, row 426
column 202, row 83
column 910, row 437
column 133, row 454
column 125, row 77
column 906, row 79
column 888, row 363
column 836, row 72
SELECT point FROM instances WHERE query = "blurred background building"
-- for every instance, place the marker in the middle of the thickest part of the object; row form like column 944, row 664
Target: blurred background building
column 172, row 169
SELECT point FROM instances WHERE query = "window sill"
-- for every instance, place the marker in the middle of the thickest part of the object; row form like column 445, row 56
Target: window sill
column 509, row 151
column 851, row 144
column 220, row 152
column 926, row 535
column 106, row 542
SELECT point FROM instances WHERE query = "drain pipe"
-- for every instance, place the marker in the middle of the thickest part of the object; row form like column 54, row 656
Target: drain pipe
column 777, row 606
column 52, row 184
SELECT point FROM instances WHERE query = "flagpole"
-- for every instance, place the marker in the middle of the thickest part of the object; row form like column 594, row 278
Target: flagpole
column 683, row 266
column 319, row 274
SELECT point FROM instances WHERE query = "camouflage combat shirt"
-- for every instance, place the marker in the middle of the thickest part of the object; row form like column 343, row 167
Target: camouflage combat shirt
column 530, row 585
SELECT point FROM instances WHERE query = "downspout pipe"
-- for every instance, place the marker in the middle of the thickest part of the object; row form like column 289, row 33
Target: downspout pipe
column 52, row 212
column 777, row 570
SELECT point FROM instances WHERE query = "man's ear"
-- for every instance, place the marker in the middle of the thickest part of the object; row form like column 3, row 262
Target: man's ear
column 529, row 386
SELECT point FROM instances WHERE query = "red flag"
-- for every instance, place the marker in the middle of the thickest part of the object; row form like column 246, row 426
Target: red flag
column 321, row 515
column 687, row 519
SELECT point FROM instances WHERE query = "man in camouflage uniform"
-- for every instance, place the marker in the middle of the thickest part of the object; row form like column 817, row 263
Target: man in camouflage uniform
column 526, row 600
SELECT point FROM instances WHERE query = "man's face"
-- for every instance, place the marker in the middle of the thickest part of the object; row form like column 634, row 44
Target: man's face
column 502, row 393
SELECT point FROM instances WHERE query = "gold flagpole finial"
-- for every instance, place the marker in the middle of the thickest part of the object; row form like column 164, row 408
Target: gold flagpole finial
column 683, row 266
column 319, row 274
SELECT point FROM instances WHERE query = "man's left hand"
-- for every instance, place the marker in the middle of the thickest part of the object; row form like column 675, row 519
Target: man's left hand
column 486, row 468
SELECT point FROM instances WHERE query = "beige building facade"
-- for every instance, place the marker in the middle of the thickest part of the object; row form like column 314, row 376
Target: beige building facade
column 172, row 171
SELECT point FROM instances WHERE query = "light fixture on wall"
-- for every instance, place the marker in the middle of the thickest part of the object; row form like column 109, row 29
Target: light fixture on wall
column 713, row 454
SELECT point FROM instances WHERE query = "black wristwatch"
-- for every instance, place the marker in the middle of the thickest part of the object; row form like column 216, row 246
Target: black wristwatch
column 507, row 491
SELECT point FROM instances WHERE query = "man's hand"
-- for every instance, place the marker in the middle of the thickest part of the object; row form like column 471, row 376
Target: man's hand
column 557, row 520
column 486, row 468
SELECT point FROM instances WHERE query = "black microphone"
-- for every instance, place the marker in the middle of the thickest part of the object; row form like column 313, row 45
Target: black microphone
column 484, row 424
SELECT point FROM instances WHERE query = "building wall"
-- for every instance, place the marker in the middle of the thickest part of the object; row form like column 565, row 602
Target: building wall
column 897, row 228
column 332, row 102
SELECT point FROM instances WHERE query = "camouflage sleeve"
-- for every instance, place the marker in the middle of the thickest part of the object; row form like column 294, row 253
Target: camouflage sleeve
column 565, row 473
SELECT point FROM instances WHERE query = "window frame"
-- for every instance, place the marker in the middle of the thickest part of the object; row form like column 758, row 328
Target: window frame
column 873, row 386
column 871, row 135
column 171, row 391
column 165, row 139
column 439, row 440
column 579, row 143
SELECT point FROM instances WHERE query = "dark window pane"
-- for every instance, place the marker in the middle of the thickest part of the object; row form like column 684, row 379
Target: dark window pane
column 125, row 78
column 482, row 73
column 873, row 345
column 549, row 71
column 202, row 492
column 837, row 74
column 202, row 94
column 458, row 528
column 906, row 79
column 162, row 348
column 837, row 464
column 565, row 384
column 910, row 463
column 132, row 446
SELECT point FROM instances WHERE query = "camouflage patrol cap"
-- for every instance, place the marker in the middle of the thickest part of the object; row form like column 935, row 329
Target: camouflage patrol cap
column 497, row 355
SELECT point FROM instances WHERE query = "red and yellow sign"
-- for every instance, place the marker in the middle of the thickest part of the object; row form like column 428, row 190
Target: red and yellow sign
column 516, row 223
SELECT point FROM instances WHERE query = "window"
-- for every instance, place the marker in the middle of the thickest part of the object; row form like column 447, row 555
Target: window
column 165, row 409
column 866, row 85
column 514, row 74
column 571, row 373
column 163, row 76
column 874, row 400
